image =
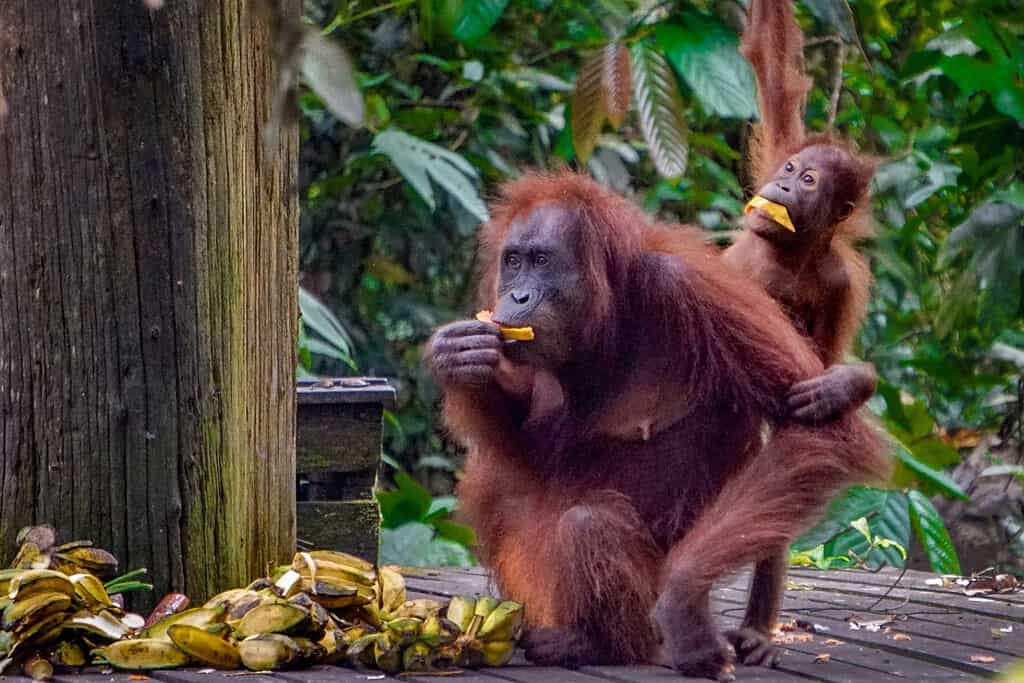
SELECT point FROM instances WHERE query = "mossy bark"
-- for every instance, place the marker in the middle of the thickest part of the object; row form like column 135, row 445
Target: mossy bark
column 148, row 305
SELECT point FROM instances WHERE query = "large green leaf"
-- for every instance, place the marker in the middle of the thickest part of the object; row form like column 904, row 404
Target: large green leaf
column 421, row 162
column 891, row 521
column 837, row 14
column 973, row 75
column 409, row 502
column 706, row 55
column 589, row 106
column 476, row 18
column 931, row 479
column 931, row 531
column 661, row 110
column 857, row 502
column 418, row 545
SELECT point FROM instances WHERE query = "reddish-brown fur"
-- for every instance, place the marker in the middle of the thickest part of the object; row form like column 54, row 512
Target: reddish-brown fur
column 823, row 287
column 774, row 46
column 586, row 521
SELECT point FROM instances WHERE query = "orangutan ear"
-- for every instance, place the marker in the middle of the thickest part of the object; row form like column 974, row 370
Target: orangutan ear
column 845, row 211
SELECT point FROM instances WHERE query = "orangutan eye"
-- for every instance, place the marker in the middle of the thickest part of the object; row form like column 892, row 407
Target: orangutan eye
column 809, row 179
column 513, row 261
column 540, row 260
column 789, row 167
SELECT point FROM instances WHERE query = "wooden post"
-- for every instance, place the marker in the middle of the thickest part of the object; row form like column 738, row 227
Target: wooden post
column 148, row 299
column 338, row 456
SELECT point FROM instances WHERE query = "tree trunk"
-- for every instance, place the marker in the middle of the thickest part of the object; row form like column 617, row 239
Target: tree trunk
column 147, row 288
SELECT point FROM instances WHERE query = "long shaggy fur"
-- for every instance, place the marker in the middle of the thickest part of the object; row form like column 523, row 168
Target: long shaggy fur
column 581, row 521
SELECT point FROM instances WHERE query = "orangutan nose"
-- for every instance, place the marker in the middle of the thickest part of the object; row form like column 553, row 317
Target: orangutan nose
column 520, row 297
column 784, row 188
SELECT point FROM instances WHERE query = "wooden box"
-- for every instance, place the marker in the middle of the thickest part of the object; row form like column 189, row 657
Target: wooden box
column 339, row 431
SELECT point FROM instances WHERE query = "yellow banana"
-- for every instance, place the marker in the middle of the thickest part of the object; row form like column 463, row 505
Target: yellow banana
column 268, row 652
column 503, row 623
column 35, row 581
column 34, row 608
column 204, row 647
column 421, row 608
column 338, row 557
column 90, row 590
column 391, row 589
column 460, row 610
column 273, row 618
column 144, row 653
column 200, row 617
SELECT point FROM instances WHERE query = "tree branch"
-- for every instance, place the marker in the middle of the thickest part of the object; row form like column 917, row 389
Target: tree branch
column 837, row 83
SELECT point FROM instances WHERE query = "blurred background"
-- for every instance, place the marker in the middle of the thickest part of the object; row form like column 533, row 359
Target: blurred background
column 463, row 94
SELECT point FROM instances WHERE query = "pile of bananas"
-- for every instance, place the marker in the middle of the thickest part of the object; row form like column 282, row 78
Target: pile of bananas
column 325, row 607
column 54, row 607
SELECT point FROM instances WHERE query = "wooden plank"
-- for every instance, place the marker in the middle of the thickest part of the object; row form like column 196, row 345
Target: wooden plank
column 940, row 652
column 868, row 663
column 325, row 674
column 193, row 675
column 351, row 526
column 950, row 624
column 540, row 674
column 660, row 674
column 889, row 576
column 982, row 606
column 91, row 677
column 338, row 438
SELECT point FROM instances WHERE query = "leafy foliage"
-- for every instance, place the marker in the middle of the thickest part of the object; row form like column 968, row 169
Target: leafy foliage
column 460, row 94
column 660, row 111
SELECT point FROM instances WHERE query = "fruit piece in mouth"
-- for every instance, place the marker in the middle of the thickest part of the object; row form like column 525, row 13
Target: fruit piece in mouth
column 509, row 333
column 776, row 211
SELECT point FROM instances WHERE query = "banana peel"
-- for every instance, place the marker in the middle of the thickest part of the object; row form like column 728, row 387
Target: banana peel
column 778, row 212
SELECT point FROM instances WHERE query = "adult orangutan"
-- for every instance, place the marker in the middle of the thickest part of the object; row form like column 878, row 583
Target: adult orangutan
column 812, row 266
column 616, row 465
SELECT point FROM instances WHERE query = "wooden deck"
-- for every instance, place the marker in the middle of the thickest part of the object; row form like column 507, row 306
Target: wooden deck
column 853, row 626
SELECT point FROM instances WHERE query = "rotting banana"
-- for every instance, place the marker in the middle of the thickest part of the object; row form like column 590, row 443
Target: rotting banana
column 144, row 653
column 204, row 647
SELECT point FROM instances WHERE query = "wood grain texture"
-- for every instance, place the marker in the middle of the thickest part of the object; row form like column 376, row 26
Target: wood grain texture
column 147, row 288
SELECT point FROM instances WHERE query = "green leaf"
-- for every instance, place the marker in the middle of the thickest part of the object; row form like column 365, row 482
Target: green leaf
column 891, row 520
column 660, row 108
column 932, row 478
column 334, row 341
column 706, row 55
column 417, row 545
column 855, row 503
column 460, row 533
column 972, row 75
column 931, row 531
column 421, row 162
column 837, row 14
column 589, row 106
column 328, row 71
column 476, row 18
column 410, row 502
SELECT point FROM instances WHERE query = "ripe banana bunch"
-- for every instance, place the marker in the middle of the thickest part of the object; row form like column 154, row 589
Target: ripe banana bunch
column 490, row 630
column 474, row 632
